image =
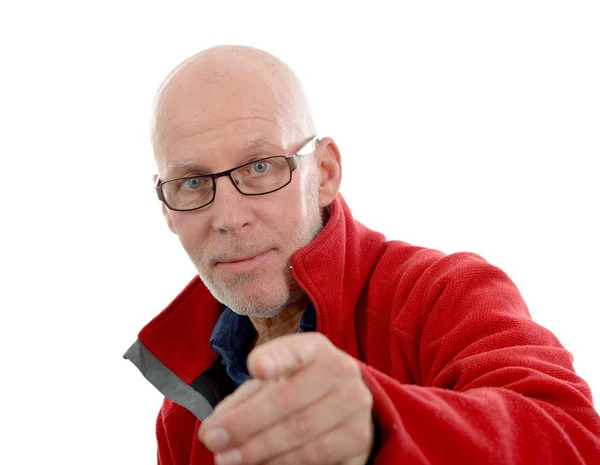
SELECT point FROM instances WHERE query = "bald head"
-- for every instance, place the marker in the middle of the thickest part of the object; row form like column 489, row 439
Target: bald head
column 238, row 111
column 227, row 85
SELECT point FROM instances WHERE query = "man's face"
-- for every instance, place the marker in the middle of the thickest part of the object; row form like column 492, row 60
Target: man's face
column 241, row 245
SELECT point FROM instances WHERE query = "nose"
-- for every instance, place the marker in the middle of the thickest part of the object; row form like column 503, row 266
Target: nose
column 229, row 209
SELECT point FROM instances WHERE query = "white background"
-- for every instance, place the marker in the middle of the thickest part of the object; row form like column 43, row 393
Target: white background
column 463, row 126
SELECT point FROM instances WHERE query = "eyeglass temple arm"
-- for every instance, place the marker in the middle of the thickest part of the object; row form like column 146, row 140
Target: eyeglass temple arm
column 158, row 189
column 308, row 148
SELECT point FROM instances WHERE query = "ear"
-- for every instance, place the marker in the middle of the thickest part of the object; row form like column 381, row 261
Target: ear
column 329, row 164
column 165, row 210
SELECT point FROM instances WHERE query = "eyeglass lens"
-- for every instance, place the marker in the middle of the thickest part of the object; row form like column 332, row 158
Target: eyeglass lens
column 259, row 177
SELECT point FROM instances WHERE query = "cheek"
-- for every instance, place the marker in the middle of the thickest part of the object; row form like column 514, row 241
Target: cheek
column 288, row 211
column 189, row 229
column 289, row 217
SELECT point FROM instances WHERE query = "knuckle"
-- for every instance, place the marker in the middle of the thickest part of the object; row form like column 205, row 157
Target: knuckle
column 346, row 367
column 256, row 450
column 290, row 356
column 298, row 357
column 353, row 367
column 320, row 342
column 360, row 430
column 284, row 397
column 320, row 338
column 363, row 399
column 313, row 453
column 300, row 425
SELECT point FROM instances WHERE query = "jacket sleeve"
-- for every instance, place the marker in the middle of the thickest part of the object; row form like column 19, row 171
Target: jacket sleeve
column 176, row 429
column 164, row 456
column 491, row 386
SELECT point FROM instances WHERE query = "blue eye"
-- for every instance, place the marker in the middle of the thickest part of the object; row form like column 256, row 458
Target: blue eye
column 260, row 167
column 195, row 183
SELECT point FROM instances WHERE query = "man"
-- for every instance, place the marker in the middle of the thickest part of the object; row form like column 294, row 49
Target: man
column 347, row 349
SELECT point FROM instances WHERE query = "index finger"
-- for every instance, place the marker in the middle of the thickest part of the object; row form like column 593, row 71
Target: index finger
column 285, row 355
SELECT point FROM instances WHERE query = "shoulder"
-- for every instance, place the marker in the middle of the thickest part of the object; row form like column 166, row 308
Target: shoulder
column 411, row 276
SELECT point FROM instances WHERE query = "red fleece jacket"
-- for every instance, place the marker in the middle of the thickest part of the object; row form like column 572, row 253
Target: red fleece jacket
column 459, row 372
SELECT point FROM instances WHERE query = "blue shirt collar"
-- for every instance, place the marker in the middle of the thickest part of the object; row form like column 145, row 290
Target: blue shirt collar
column 233, row 336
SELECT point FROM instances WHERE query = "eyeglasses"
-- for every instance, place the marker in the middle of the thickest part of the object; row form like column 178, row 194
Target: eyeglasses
column 257, row 177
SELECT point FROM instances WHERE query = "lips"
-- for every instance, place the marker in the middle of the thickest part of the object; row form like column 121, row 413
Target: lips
column 242, row 263
column 240, row 258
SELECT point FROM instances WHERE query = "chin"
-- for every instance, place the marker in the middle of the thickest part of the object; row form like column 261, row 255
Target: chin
column 253, row 294
column 258, row 312
column 253, row 304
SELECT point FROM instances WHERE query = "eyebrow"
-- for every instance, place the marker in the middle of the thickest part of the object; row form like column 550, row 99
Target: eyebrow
column 177, row 164
column 255, row 145
column 247, row 150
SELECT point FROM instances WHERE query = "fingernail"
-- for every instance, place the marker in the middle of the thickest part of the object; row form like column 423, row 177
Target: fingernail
column 216, row 439
column 231, row 457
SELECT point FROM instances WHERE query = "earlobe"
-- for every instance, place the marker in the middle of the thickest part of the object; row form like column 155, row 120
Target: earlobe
column 330, row 170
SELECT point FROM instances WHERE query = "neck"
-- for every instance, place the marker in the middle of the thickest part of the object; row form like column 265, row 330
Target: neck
column 286, row 322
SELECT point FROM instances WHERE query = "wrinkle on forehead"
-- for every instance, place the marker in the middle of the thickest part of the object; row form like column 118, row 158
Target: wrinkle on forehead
column 229, row 83
column 257, row 146
column 184, row 142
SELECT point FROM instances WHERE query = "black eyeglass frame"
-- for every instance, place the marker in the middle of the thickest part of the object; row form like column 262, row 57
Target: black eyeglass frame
column 293, row 161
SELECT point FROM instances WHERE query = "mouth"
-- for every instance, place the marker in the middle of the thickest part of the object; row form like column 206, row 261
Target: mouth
column 242, row 264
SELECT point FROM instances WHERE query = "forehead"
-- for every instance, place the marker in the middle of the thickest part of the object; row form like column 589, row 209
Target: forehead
column 215, row 123
column 220, row 135
column 215, row 157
